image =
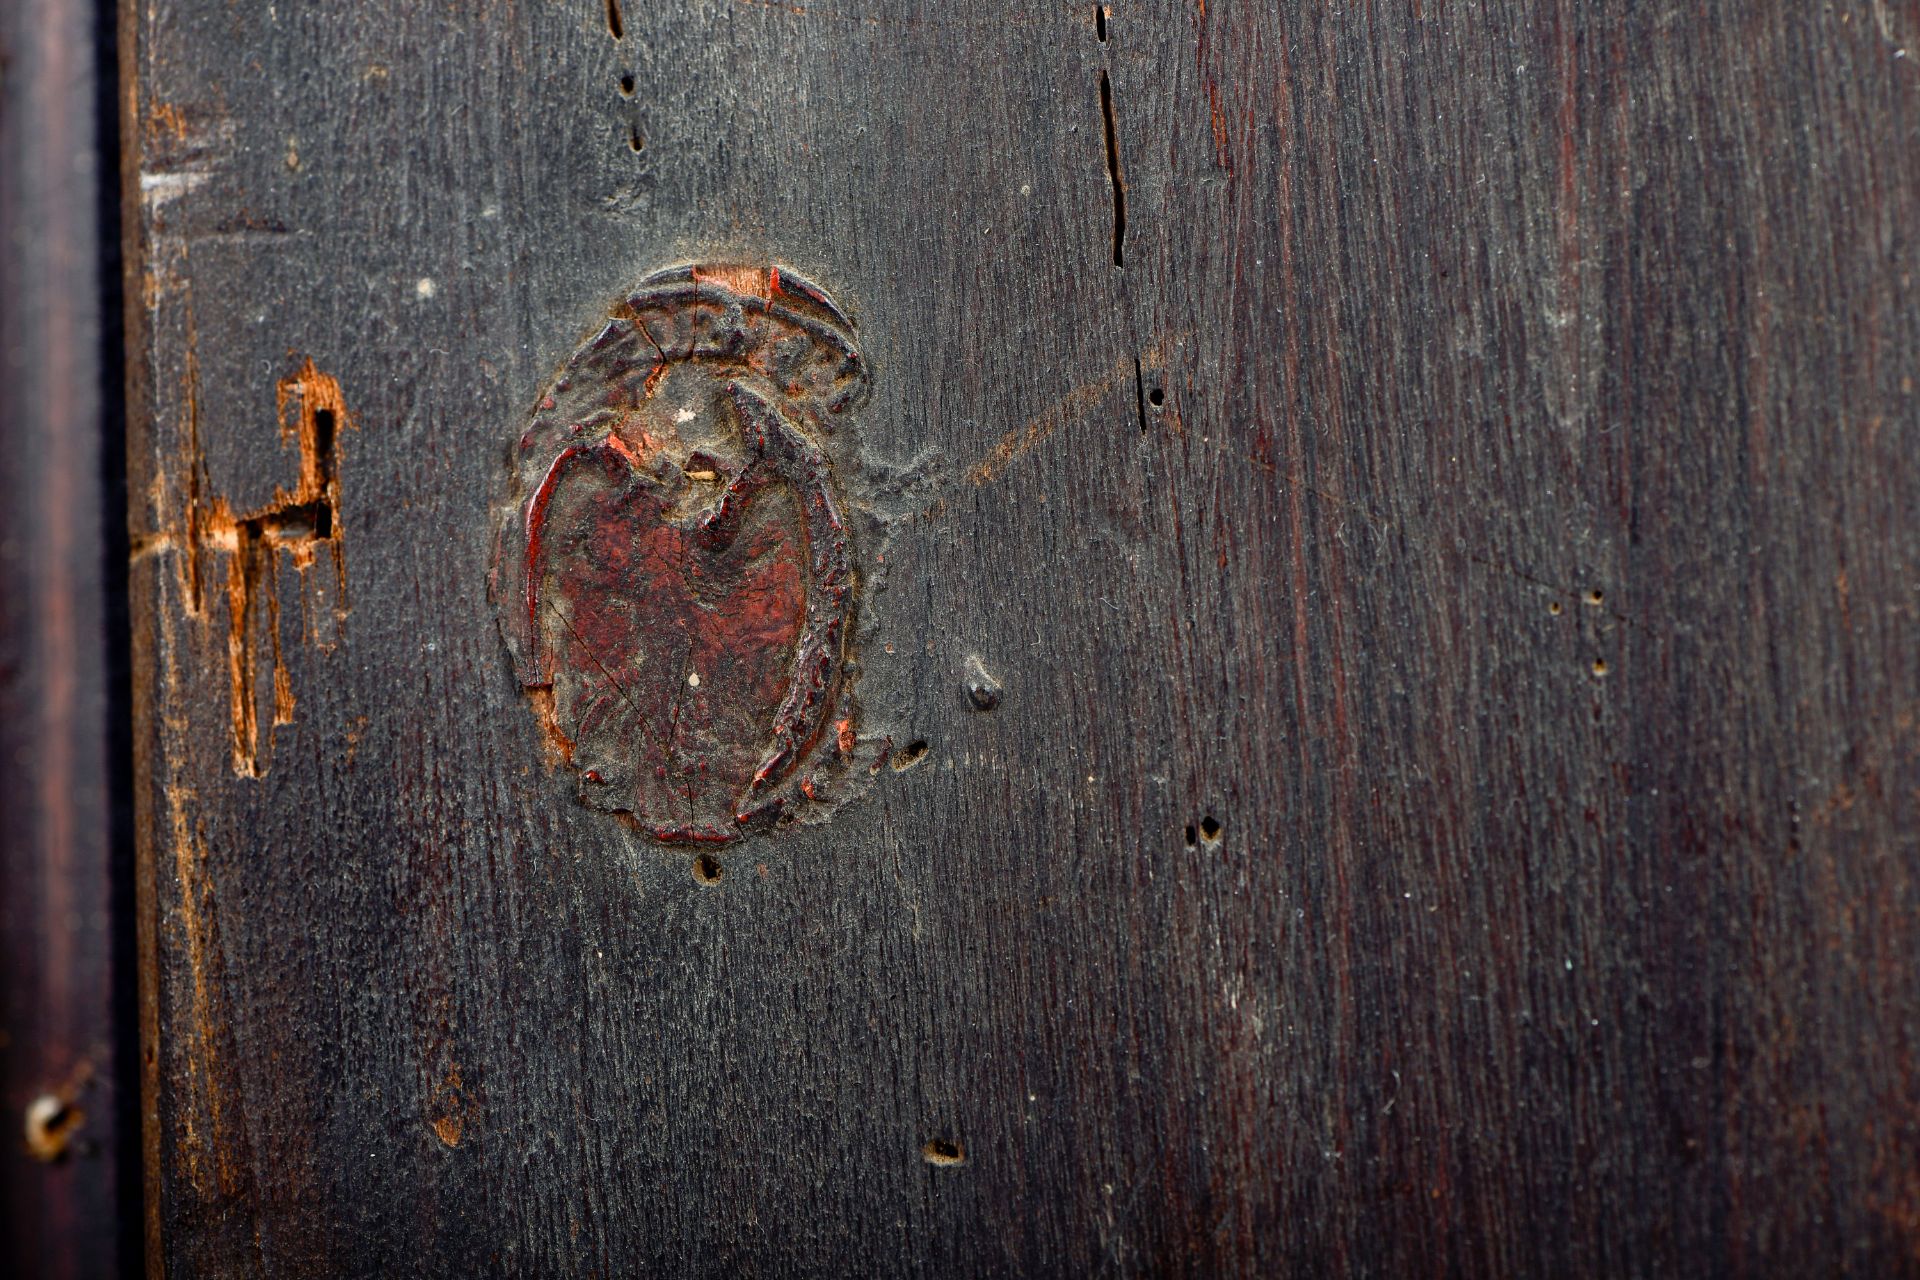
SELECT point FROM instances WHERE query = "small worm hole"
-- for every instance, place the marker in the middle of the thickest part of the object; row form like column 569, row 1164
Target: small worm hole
column 943, row 1151
column 707, row 869
column 627, row 84
column 1156, row 397
column 1209, row 829
column 910, row 755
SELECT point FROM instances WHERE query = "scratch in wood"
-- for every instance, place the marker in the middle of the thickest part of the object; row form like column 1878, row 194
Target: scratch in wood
column 1064, row 410
column 1037, row 428
column 311, row 409
column 195, row 465
column 995, row 22
column 1216, row 116
column 160, row 188
column 450, row 1107
column 168, row 118
column 215, row 1141
column 1883, row 19
column 546, row 714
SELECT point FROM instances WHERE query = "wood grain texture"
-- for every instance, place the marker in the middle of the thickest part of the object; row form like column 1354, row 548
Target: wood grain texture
column 1447, row 557
column 64, row 816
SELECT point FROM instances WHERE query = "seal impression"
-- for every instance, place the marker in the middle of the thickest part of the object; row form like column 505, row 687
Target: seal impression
column 675, row 572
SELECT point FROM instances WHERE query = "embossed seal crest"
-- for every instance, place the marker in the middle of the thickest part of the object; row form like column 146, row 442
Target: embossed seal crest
column 675, row 571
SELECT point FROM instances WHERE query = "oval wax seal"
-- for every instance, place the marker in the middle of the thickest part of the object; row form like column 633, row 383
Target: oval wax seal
column 675, row 571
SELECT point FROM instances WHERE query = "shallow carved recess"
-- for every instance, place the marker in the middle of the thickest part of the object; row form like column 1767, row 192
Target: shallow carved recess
column 678, row 568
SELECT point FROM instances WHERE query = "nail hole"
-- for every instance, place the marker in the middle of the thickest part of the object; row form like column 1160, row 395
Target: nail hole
column 627, row 85
column 983, row 691
column 1594, row 596
column 943, row 1151
column 51, row 1123
column 1553, row 607
column 707, row 869
column 1209, row 829
column 910, row 755
column 1156, row 397
column 1599, row 666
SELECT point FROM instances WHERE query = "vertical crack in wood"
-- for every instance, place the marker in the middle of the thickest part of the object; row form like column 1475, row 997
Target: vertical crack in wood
column 1140, row 394
column 1113, row 172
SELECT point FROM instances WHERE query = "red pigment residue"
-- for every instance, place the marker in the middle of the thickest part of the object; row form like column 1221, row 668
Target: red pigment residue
column 675, row 573
column 667, row 655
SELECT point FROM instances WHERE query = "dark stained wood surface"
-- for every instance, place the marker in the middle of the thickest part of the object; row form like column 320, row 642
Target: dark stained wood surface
column 66, row 1065
column 1434, row 485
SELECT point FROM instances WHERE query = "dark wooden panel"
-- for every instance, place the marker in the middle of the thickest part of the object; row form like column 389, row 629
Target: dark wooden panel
column 1432, row 482
column 64, row 809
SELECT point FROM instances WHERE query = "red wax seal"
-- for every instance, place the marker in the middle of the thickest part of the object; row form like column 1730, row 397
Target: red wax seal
column 675, row 572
